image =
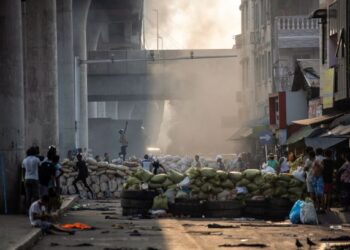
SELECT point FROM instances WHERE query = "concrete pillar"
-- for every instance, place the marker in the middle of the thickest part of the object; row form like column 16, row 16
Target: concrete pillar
column 112, row 110
column 65, row 75
column 92, row 106
column 41, row 91
column 80, row 13
column 11, row 102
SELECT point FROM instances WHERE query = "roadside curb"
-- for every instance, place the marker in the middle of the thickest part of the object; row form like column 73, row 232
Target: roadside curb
column 30, row 239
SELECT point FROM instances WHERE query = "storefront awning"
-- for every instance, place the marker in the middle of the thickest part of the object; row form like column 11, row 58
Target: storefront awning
column 317, row 120
column 241, row 134
column 341, row 131
column 323, row 142
column 303, row 133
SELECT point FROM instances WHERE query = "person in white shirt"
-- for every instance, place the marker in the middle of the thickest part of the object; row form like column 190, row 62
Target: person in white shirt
column 146, row 163
column 30, row 167
column 39, row 218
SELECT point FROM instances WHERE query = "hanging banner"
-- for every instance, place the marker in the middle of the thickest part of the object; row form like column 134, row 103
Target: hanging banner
column 327, row 88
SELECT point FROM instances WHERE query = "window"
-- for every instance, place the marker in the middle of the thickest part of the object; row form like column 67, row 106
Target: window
column 324, row 43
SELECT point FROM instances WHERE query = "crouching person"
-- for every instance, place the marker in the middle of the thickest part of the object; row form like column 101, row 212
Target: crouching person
column 39, row 218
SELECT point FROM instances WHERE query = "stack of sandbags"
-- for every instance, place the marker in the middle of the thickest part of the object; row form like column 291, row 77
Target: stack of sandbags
column 141, row 176
column 106, row 180
column 208, row 182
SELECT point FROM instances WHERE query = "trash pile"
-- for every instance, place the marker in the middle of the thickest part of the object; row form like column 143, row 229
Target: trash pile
column 105, row 179
column 211, row 184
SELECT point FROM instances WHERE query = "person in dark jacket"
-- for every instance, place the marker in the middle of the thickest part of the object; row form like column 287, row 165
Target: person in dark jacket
column 83, row 173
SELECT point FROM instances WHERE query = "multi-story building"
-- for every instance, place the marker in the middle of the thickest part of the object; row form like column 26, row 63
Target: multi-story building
column 334, row 59
column 274, row 34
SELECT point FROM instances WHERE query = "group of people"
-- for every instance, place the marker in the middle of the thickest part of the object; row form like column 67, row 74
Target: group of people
column 322, row 174
column 152, row 165
column 42, row 186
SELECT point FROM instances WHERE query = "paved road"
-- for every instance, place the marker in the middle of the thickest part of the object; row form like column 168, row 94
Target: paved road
column 175, row 233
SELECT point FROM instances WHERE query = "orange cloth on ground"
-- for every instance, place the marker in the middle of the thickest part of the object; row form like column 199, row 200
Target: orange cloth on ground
column 76, row 225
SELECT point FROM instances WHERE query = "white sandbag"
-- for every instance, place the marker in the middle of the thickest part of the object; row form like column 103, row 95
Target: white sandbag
column 100, row 172
column 91, row 161
column 112, row 185
column 100, row 195
column 96, row 188
column 64, row 190
column 71, row 190
column 170, row 194
column 70, row 181
column 104, row 186
column 64, row 161
column 224, row 195
column 88, row 180
column 95, row 179
column 92, row 167
column 118, row 167
column 102, row 164
column 111, row 172
column 63, row 181
column 104, row 178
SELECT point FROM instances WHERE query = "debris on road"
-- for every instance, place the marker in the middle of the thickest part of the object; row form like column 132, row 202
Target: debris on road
column 135, row 233
column 77, row 225
column 244, row 245
column 205, row 233
column 214, row 225
column 340, row 238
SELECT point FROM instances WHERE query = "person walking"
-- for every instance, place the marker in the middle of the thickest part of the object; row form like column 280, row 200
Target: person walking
column 123, row 142
column 83, row 173
column 30, row 167
column 196, row 162
column 219, row 163
column 328, row 171
column 318, row 184
column 58, row 173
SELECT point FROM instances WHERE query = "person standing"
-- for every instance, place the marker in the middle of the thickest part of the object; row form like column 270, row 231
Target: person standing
column 47, row 173
column 30, row 167
column 58, row 173
column 219, row 163
column 283, row 165
column 271, row 162
column 196, row 162
column 328, row 171
column 146, row 163
column 83, row 173
column 309, row 173
column 106, row 157
column 123, row 142
column 318, row 184
column 344, row 173
column 156, row 166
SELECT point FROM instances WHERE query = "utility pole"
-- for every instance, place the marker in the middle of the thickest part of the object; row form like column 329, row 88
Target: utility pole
column 156, row 10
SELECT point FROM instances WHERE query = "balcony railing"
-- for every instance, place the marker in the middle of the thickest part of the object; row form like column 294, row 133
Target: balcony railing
column 296, row 23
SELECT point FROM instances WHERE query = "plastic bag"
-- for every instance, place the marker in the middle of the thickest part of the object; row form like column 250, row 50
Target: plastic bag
column 294, row 215
column 185, row 182
column 308, row 213
column 268, row 170
column 170, row 194
column 160, row 202
column 299, row 174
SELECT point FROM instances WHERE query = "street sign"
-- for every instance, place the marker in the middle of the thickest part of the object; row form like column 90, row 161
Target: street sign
column 266, row 137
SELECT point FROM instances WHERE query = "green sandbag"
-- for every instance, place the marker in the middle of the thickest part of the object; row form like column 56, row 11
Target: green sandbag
column 217, row 190
column 266, row 186
column 252, row 187
column 134, row 188
column 222, row 175
column 268, row 192
column 215, row 181
column 175, row 176
column 235, row 176
column 242, row 183
column 167, row 183
column 285, row 177
column 172, row 187
column 208, row 172
column 143, row 175
column 295, row 191
column 227, row 184
column 192, row 173
column 270, row 178
column 279, row 191
column 181, row 195
column 256, row 192
column 203, row 196
column 133, row 181
column 295, row 183
column 155, row 185
column 206, row 187
column 159, row 178
column 197, row 182
column 283, row 184
column 160, row 202
column 195, row 189
column 250, row 174
column 259, row 180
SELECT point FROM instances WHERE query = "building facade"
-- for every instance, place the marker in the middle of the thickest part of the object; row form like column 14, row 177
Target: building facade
column 274, row 34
